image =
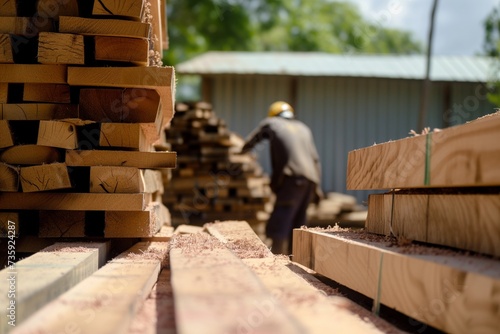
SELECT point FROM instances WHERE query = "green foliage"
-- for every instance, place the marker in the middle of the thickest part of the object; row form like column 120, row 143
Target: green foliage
column 197, row 26
column 492, row 48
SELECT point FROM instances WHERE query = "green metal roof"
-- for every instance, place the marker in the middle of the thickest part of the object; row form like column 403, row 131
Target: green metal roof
column 443, row 68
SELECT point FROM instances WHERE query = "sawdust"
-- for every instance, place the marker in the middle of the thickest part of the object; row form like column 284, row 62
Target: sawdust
column 248, row 249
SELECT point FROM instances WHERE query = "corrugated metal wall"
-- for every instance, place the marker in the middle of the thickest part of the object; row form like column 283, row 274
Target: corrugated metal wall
column 344, row 113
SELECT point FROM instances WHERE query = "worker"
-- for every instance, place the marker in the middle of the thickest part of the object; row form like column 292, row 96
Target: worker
column 296, row 172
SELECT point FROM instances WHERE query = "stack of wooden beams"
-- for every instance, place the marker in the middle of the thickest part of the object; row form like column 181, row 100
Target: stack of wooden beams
column 432, row 242
column 83, row 99
column 213, row 181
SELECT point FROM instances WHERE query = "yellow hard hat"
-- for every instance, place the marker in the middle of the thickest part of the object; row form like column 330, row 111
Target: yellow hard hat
column 278, row 107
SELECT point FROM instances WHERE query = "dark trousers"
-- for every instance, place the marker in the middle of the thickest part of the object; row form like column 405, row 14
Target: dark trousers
column 292, row 199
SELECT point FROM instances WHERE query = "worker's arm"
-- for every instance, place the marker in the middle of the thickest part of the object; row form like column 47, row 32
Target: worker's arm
column 256, row 136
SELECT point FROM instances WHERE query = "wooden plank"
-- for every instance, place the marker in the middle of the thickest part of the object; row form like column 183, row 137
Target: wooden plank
column 57, row 48
column 203, row 270
column 4, row 92
column 9, row 224
column 50, row 93
column 103, row 27
column 6, row 139
column 447, row 290
column 105, row 301
column 8, row 8
column 40, row 278
column 164, row 235
column 45, row 177
column 122, row 49
column 33, row 73
column 154, row 18
column 126, row 135
column 57, row 134
column 30, row 155
column 37, row 111
column 459, row 156
column 9, row 177
column 61, row 224
column 131, row 9
column 109, row 179
column 162, row 79
column 133, row 224
column 6, row 49
column 56, row 8
column 74, row 201
column 121, row 158
column 462, row 221
column 26, row 26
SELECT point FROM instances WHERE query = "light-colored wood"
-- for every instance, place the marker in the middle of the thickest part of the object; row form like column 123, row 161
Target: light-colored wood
column 45, row 177
column 165, row 234
column 122, row 49
column 106, row 301
column 302, row 248
column 6, row 49
column 45, row 275
column 103, row 27
column 4, row 92
column 468, row 222
column 51, row 93
column 25, row 26
column 57, row 134
column 9, row 177
column 449, row 291
column 113, row 179
column 61, row 224
column 9, row 224
column 164, row 24
column 154, row 18
column 6, row 139
column 33, row 73
column 30, row 155
column 459, row 156
column 57, row 48
column 161, row 79
column 203, row 270
column 153, row 180
column 56, row 8
column 188, row 229
column 133, row 224
column 131, row 9
column 37, row 111
column 8, row 8
column 74, row 201
column 126, row 135
column 121, row 158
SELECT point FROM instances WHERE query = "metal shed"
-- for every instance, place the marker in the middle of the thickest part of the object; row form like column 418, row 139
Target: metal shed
column 349, row 101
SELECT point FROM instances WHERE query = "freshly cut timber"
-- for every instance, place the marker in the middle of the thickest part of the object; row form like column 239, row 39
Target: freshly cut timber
column 37, row 111
column 33, row 73
column 104, row 27
column 57, row 48
column 121, row 158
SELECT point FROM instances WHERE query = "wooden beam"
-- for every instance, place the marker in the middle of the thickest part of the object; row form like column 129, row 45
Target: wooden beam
column 74, row 201
column 50, row 93
column 57, row 48
column 461, row 221
column 103, row 27
column 8, row 8
column 6, row 139
column 161, row 79
column 37, row 111
column 126, row 135
column 109, row 179
column 30, row 155
column 121, row 158
column 61, row 224
column 156, row 38
column 26, row 26
column 6, row 49
column 203, row 270
column 122, row 49
column 105, row 301
column 133, row 224
column 45, row 177
column 56, row 8
column 57, row 134
column 165, row 234
column 9, row 178
column 459, row 156
column 131, row 9
column 447, row 290
column 32, row 73
column 44, row 276
column 4, row 92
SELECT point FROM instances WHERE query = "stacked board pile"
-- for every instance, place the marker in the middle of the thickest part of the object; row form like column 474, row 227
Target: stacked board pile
column 442, row 213
column 213, row 181
column 83, row 100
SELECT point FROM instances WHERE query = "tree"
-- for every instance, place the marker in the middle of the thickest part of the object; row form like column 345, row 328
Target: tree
column 196, row 26
column 492, row 48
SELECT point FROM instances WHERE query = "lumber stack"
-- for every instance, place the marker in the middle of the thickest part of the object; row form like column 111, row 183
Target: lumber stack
column 212, row 181
column 84, row 99
column 431, row 243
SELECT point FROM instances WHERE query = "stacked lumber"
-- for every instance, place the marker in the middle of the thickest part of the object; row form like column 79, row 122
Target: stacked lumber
column 84, row 98
column 212, row 181
column 431, row 243
column 336, row 208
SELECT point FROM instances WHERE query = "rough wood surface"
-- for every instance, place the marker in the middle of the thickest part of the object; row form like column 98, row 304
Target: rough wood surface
column 30, row 155
column 50, row 93
column 25, row 26
column 9, row 221
column 449, row 291
column 33, row 73
column 56, row 8
column 45, row 177
column 133, row 224
column 37, row 111
column 468, row 222
column 8, row 8
column 4, row 92
column 463, row 155
column 61, row 224
column 106, row 301
column 124, row 180
column 74, row 201
column 122, row 49
column 121, row 158
column 165, row 234
column 47, row 274
column 57, row 134
column 132, row 9
column 57, row 48
column 6, row 139
column 127, row 135
column 103, row 27
column 6, row 49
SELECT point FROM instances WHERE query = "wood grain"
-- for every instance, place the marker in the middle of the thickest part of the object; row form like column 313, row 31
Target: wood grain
column 45, row 177
column 50, row 93
column 9, row 177
column 33, row 73
column 103, row 27
column 6, row 139
column 56, row 8
column 57, row 134
column 4, row 92
column 25, row 26
column 37, row 111
column 121, row 158
column 133, row 224
column 132, row 9
column 122, row 49
column 61, row 224
column 57, row 48
column 6, row 49
column 30, row 155
column 107, row 179
column 8, row 8
column 127, row 135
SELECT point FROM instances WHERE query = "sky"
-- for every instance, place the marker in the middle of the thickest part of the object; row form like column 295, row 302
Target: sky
column 458, row 28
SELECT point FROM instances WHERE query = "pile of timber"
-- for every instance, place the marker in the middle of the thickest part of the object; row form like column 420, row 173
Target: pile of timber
column 336, row 208
column 212, row 181
column 431, row 244
column 83, row 99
